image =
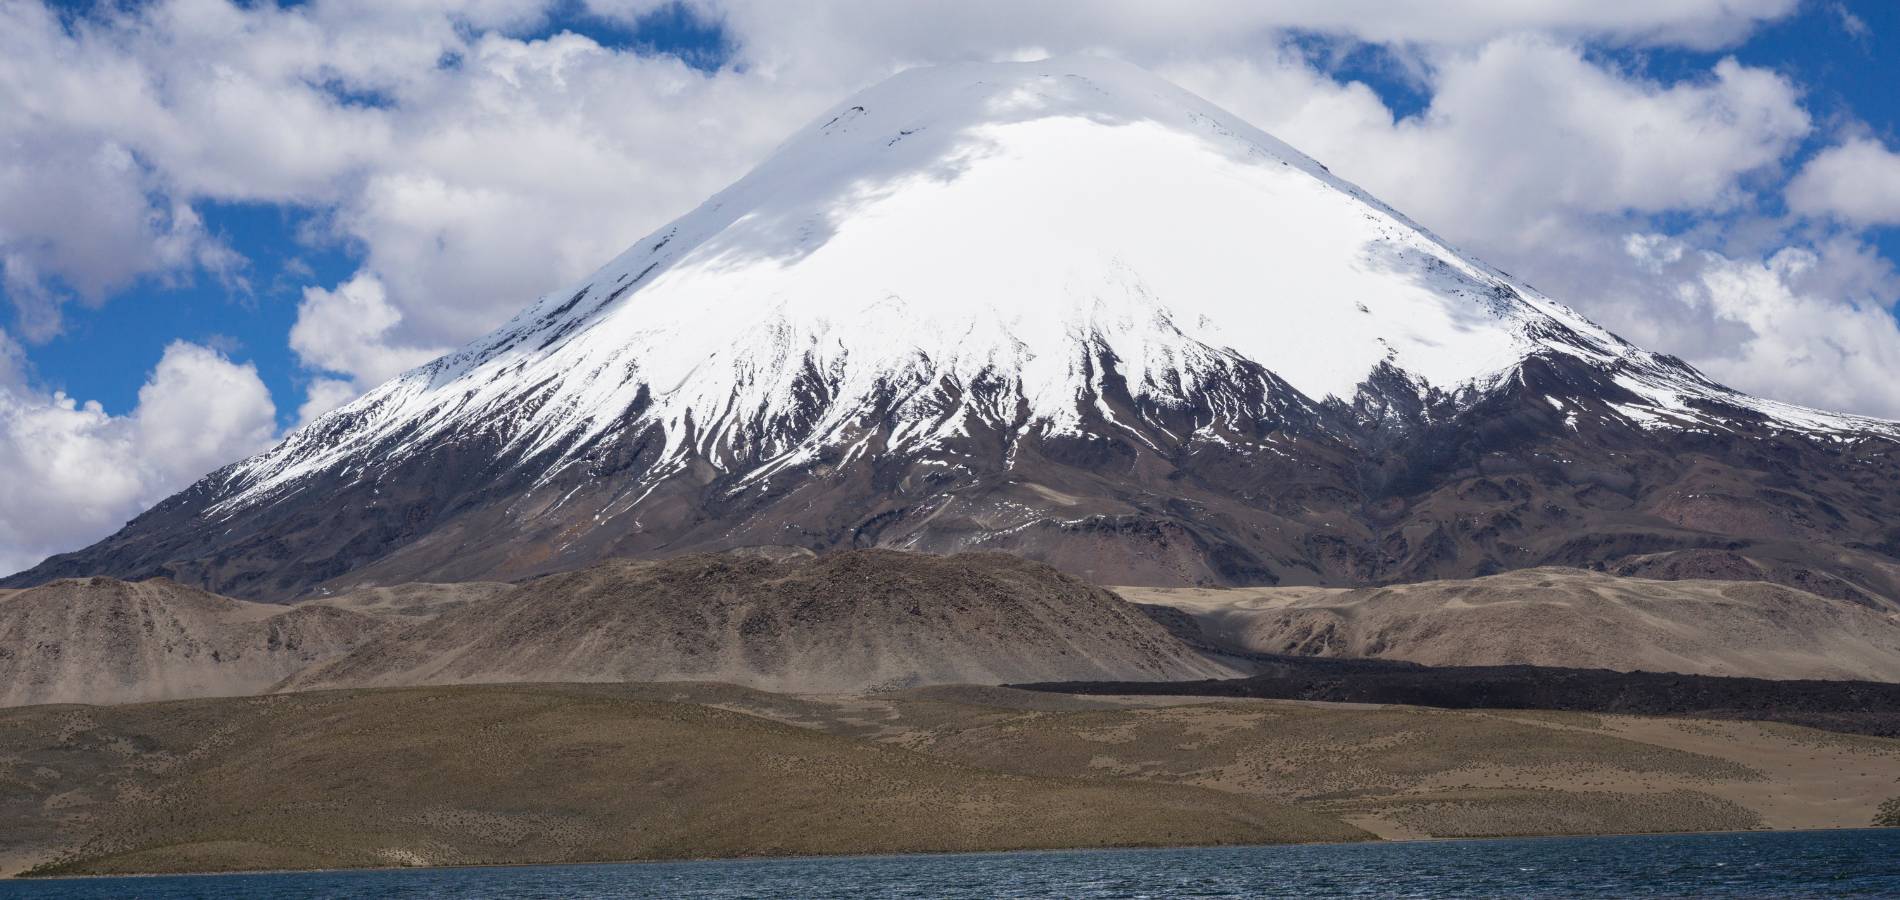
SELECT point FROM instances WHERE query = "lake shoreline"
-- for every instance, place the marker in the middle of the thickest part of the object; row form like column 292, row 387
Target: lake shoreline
column 832, row 857
column 1837, row 862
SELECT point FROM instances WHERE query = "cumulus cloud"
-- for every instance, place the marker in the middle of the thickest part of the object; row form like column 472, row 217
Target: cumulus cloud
column 84, row 221
column 540, row 161
column 1555, row 167
column 477, row 169
column 472, row 169
column 1524, row 136
column 348, row 331
column 867, row 33
column 1857, row 181
column 1812, row 320
column 323, row 395
column 76, row 473
column 197, row 411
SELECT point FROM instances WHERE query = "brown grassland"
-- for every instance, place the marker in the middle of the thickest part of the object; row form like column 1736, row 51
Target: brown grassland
column 561, row 772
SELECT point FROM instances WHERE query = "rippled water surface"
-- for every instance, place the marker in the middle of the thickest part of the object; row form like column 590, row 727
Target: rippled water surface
column 1811, row 864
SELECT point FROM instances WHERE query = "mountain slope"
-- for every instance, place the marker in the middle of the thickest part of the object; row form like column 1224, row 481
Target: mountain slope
column 1063, row 309
column 1562, row 618
column 841, row 622
column 101, row 640
column 413, row 601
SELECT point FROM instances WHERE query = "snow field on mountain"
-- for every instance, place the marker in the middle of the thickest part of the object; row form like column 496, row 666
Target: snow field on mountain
column 1013, row 225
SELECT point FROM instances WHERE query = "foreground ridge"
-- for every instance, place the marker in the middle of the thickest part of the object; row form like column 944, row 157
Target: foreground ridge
column 565, row 773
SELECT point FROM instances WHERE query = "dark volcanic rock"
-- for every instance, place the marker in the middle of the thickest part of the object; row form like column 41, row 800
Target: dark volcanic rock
column 1502, row 484
column 1858, row 707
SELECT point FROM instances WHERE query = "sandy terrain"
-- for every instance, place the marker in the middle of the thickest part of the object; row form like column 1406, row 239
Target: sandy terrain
column 847, row 621
column 101, row 640
column 417, row 600
column 536, row 773
column 1560, row 617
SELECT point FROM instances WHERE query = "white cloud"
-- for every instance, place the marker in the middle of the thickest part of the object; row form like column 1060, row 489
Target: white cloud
column 12, row 364
column 1553, row 167
column 75, row 473
column 348, row 331
column 198, row 411
column 1813, row 325
column 1857, row 181
column 1855, row 26
column 84, row 220
column 541, row 161
column 470, row 186
column 476, row 185
column 863, row 34
column 323, row 395
column 1524, row 136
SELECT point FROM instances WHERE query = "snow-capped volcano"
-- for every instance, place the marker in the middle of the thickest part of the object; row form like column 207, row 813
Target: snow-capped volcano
column 968, row 304
column 1005, row 225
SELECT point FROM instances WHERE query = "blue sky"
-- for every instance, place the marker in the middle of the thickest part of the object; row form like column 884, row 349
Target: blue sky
column 219, row 219
column 1848, row 77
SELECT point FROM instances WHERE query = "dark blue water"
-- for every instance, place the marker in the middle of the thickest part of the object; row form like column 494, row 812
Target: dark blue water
column 1812, row 864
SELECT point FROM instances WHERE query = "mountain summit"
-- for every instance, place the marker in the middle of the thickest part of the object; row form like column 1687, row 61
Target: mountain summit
column 1062, row 308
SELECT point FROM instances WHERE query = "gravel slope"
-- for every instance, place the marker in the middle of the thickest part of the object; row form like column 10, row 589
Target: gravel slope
column 1560, row 617
column 846, row 621
column 101, row 640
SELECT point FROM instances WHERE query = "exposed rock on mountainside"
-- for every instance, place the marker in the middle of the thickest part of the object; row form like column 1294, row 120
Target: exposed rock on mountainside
column 1062, row 309
column 101, row 640
column 1560, row 617
column 1722, row 565
column 846, row 621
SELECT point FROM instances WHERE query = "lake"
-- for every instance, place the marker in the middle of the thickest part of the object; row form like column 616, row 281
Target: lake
column 1863, row 863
